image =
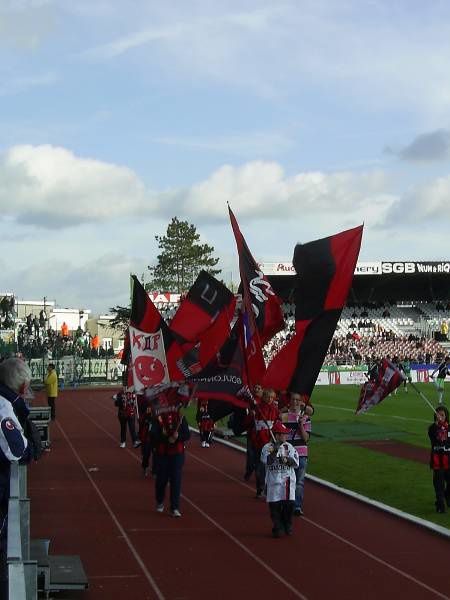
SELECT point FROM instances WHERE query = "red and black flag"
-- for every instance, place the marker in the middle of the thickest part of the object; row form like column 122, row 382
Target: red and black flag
column 388, row 378
column 261, row 307
column 325, row 271
column 205, row 301
column 146, row 317
column 224, row 379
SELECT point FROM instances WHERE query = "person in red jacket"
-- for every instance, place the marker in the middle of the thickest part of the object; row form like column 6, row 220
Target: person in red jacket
column 169, row 432
column 126, row 412
column 260, row 420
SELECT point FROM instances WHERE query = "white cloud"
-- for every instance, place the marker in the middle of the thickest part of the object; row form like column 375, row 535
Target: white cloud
column 262, row 190
column 51, row 187
column 424, row 205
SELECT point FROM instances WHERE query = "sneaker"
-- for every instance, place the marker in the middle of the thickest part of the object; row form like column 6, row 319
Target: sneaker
column 160, row 508
column 298, row 512
column 203, row 444
column 136, row 444
column 123, row 445
column 176, row 513
column 206, row 445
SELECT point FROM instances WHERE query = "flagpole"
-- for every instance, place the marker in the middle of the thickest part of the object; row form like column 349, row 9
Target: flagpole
column 422, row 395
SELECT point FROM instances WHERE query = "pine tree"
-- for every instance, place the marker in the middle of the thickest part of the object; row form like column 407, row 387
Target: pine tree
column 181, row 258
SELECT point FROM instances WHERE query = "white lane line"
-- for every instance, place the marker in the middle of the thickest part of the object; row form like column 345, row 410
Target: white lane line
column 246, row 550
column 215, row 523
column 324, row 529
column 133, row 550
column 371, row 414
column 338, row 537
column 377, row 559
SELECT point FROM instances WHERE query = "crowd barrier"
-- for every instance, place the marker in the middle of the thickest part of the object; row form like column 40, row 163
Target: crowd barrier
column 74, row 370
column 22, row 571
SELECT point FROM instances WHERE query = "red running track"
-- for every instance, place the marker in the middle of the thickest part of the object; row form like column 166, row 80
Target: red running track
column 89, row 497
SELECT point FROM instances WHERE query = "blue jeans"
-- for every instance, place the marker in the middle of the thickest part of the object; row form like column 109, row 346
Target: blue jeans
column 300, row 481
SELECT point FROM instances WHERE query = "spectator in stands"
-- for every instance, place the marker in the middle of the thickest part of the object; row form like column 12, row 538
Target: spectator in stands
column 439, row 435
column 15, row 378
column 51, row 388
column 280, row 459
column 169, row 433
column 65, row 330
column 444, row 331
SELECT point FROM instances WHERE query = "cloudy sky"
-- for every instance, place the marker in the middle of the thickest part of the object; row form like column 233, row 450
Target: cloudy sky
column 308, row 117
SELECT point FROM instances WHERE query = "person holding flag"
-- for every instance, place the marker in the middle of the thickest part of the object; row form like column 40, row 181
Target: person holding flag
column 297, row 418
column 439, row 435
column 262, row 415
column 169, row 433
column 442, row 370
column 125, row 401
column 280, row 459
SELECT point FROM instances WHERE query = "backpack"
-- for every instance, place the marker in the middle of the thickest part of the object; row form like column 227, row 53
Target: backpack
column 33, row 436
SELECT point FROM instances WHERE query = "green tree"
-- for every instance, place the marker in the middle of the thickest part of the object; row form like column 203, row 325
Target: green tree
column 121, row 317
column 181, row 258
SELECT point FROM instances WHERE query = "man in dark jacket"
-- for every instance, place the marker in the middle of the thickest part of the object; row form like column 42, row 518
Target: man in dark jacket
column 15, row 378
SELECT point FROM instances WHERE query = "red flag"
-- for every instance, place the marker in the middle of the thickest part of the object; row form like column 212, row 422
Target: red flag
column 388, row 378
column 202, row 306
column 261, row 307
column 325, row 271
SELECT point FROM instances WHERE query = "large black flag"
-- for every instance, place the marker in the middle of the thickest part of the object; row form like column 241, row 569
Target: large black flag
column 325, row 271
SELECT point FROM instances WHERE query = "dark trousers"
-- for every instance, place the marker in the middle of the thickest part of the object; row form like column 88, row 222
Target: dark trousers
column 250, row 462
column 146, row 453
column 281, row 514
column 51, row 402
column 124, row 421
column 441, row 484
column 260, row 472
column 169, row 469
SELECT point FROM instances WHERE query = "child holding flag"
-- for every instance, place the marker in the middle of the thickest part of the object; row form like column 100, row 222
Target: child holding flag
column 281, row 460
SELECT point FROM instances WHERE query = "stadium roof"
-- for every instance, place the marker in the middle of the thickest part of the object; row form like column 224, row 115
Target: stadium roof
column 379, row 281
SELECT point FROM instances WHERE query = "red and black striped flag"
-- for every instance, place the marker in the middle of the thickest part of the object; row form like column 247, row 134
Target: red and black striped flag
column 223, row 381
column 261, row 307
column 325, row 271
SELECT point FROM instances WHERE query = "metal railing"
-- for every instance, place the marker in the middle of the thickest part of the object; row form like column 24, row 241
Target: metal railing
column 22, row 572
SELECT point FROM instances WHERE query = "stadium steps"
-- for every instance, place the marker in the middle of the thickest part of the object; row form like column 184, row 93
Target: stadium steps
column 56, row 573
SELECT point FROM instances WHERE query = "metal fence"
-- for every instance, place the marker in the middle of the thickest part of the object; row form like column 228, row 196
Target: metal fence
column 22, row 572
column 75, row 370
